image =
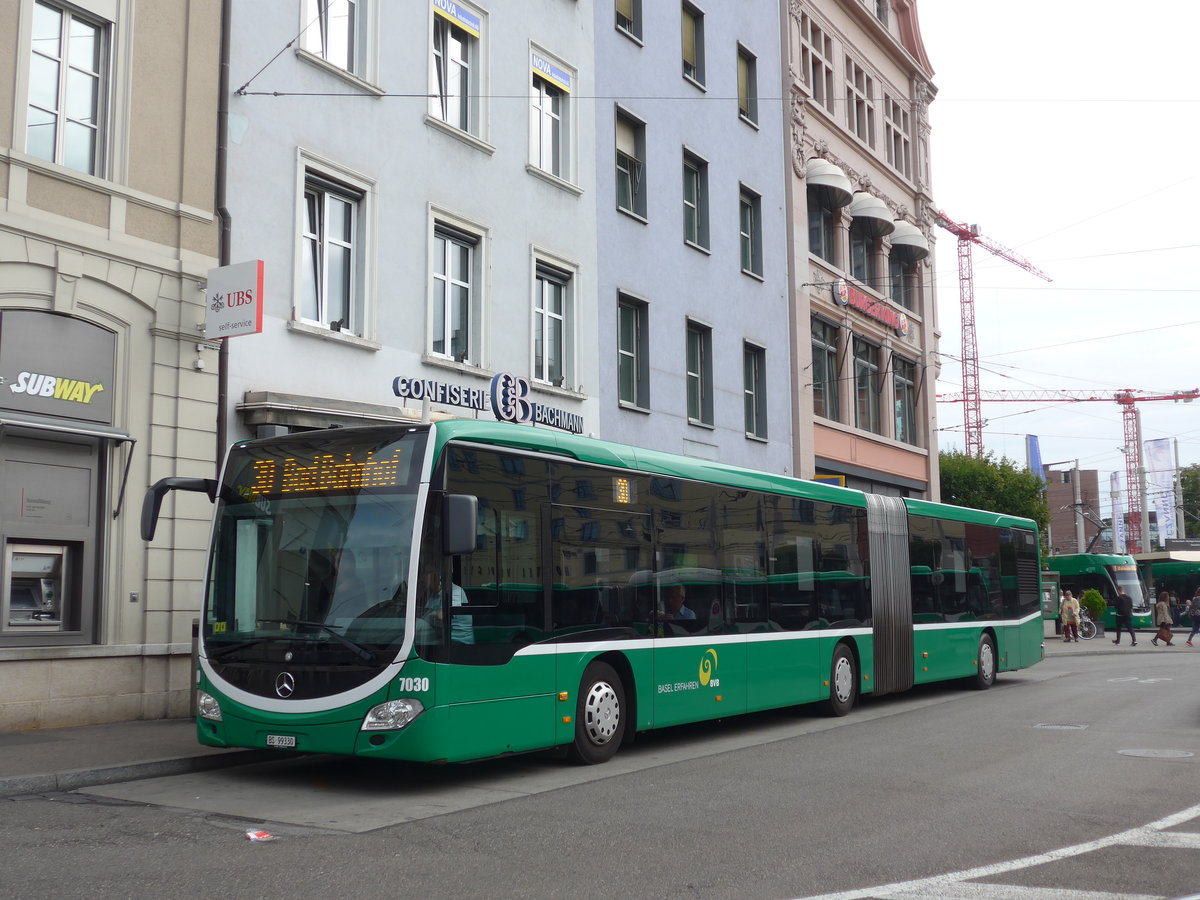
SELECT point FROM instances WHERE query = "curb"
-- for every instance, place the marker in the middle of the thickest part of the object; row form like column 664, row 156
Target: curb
column 74, row 779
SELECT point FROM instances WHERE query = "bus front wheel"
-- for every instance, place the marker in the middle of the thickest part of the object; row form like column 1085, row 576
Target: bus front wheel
column 985, row 668
column 843, row 682
column 599, row 715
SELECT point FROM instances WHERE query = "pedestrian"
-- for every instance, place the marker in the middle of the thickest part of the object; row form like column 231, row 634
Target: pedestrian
column 1162, row 619
column 1124, row 616
column 1175, row 610
column 1068, row 611
column 1194, row 612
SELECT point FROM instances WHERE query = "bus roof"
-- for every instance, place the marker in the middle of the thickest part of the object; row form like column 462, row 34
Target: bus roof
column 1078, row 563
column 607, row 453
column 621, row 456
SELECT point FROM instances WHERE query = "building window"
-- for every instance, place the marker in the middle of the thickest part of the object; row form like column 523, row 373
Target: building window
column 551, row 324
column 881, row 10
column 825, row 369
column 633, row 352
column 822, row 230
column 68, row 86
column 897, row 129
column 866, row 386
column 695, row 200
column 546, row 144
column 699, row 374
column 816, row 62
column 331, row 31
column 331, row 254
column 860, row 102
column 750, row 231
column 629, row 18
column 454, row 86
column 905, row 280
column 747, row 75
column 454, row 293
column 631, row 149
column 754, row 389
column 863, row 244
column 905, row 395
column 693, row 44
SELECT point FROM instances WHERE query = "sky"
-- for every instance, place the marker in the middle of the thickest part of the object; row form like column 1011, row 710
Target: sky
column 1070, row 133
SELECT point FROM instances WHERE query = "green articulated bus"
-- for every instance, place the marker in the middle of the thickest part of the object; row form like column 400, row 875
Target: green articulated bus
column 595, row 591
column 1106, row 573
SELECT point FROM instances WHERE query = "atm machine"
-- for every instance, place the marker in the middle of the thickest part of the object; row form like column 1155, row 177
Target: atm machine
column 33, row 595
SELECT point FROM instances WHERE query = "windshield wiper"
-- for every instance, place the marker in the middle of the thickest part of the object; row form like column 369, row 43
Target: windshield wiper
column 219, row 652
column 361, row 652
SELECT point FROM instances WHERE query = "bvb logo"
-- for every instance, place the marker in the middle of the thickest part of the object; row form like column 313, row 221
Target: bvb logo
column 708, row 666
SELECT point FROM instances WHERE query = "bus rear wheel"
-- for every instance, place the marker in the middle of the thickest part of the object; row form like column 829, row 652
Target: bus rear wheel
column 985, row 668
column 843, row 682
column 599, row 715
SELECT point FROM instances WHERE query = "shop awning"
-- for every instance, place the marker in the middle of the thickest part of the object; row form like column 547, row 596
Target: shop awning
column 908, row 242
column 63, row 426
column 77, row 429
column 824, row 177
column 870, row 209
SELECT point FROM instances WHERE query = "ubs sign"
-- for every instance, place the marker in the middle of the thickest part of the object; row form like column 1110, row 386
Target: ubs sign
column 507, row 397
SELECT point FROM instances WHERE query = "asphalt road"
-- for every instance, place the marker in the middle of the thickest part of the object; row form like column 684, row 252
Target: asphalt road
column 1075, row 775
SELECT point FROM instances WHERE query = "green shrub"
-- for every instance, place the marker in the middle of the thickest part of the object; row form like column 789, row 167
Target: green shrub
column 1093, row 601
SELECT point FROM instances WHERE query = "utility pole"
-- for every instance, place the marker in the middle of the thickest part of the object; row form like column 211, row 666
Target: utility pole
column 1179, row 522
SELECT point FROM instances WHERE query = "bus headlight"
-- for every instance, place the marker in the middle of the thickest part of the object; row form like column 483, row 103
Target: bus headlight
column 393, row 715
column 207, row 706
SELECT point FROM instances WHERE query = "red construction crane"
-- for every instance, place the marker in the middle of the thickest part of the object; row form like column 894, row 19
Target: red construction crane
column 968, row 235
column 1133, row 433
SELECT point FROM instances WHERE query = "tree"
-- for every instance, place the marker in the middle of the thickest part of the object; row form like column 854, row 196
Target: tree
column 1190, row 475
column 997, row 485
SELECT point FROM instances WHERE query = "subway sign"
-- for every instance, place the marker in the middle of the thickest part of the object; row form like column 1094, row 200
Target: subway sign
column 847, row 295
column 507, row 397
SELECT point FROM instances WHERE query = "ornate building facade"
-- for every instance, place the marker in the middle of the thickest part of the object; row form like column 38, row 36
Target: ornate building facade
column 864, row 316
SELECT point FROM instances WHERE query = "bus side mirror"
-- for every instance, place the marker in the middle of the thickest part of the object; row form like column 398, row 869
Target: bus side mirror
column 460, row 518
column 152, row 502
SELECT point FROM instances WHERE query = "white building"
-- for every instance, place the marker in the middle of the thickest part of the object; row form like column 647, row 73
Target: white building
column 418, row 179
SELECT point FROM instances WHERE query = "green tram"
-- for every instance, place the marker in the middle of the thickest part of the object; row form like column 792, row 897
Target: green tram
column 1178, row 575
column 595, row 590
column 1106, row 573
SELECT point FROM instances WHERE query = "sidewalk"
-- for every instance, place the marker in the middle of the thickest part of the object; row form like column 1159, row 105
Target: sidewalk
column 65, row 759
column 1103, row 643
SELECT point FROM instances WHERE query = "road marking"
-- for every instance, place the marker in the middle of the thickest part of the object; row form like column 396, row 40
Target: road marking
column 951, row 886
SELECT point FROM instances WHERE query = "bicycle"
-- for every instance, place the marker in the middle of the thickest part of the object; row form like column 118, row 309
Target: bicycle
column 1087, row 628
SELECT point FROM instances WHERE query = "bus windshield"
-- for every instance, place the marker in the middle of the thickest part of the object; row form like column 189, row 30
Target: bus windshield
column 311, row 550
column 1126, row 580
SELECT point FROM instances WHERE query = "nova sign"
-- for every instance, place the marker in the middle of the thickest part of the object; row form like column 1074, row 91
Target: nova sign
column 847, row 295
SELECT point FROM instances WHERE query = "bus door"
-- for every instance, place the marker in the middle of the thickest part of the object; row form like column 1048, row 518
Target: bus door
column 487, row 625
column 891, row 594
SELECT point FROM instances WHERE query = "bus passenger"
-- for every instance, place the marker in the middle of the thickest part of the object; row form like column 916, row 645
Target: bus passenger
column 673, row 603
column 462, row 630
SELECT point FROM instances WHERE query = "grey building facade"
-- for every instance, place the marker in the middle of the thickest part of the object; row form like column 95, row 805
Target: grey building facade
column 691, row 228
